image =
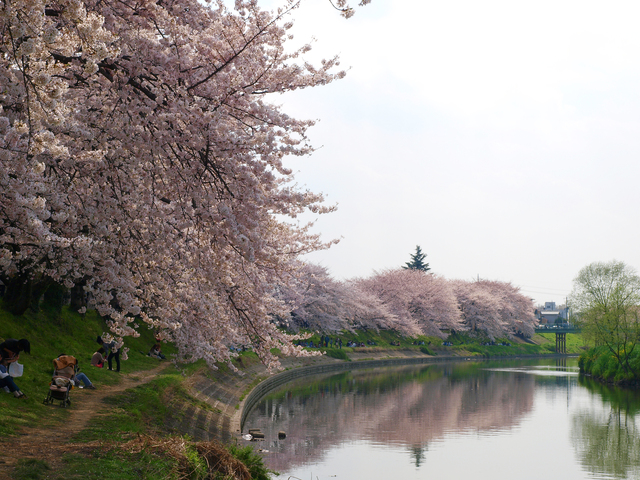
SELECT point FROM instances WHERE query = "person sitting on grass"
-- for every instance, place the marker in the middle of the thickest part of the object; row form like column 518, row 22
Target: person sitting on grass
column 7, row 382
column 81, row 377
column 10, row 349
column 155, row 352
column 97, row 360
column 73, row 373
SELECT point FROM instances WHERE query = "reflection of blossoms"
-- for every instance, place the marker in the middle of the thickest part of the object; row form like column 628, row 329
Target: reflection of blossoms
column 413, row 406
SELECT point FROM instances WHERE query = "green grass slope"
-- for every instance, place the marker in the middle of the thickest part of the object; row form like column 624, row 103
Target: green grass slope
column 51, row 335
column 130, row 430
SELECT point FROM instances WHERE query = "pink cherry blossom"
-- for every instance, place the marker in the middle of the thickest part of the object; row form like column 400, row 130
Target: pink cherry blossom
column 495, row 308
column 422, row 302
column 141, row 164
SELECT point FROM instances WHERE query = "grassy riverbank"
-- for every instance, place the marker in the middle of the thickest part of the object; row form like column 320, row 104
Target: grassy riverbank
column 133, row 442
column 50, row 335
column 461, row 345
column 116, row 432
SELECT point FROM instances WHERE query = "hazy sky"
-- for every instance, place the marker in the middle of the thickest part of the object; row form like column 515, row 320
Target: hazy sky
column 501, row 137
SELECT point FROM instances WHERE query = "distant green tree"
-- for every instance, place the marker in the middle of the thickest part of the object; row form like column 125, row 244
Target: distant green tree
column 606, row 297
column 417, row 262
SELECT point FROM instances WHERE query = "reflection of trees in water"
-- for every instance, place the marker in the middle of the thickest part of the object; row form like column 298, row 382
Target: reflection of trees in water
column 608, row 442
column 404, row 406
column 417, row 455
column 625, row 399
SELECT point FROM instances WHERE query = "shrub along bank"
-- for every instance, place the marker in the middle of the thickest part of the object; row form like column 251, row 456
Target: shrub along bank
column 601, row 363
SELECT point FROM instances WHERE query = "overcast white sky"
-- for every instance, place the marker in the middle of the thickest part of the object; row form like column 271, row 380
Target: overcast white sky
column 502, row 137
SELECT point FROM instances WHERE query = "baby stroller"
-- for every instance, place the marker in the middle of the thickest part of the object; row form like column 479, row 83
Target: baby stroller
column 62, row 382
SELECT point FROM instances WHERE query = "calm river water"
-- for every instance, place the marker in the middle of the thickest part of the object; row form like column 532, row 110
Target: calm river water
column 468, row 420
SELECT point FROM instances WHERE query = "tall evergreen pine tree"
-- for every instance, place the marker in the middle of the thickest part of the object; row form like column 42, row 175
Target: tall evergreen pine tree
column 416, row 262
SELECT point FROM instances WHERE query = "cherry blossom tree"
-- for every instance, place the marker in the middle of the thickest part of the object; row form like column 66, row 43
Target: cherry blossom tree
column 366, row 310
column 318, row 302
column 423, row 303
column 495, row 308
column 345, row 9
column 516, row 309
column 142, row 165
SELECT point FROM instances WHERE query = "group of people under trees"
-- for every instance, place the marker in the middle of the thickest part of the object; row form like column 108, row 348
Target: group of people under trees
column 107, row 352
column 325, row 341
column 10, row 368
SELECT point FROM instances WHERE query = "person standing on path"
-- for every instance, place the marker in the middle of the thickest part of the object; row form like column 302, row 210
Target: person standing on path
column 111, row 351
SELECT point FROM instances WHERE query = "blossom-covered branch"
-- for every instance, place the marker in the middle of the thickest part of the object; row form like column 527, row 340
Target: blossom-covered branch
column 142, row 165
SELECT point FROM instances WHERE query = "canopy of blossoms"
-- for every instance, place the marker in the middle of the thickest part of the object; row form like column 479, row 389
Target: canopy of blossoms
column 141, row 162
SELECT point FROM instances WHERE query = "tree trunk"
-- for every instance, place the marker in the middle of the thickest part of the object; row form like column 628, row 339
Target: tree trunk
column 54, row 298
column 18, row 293
column 38, row 288
column 78, row 296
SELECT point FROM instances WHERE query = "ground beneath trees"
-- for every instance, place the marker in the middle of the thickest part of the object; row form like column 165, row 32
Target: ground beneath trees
column 49, row 444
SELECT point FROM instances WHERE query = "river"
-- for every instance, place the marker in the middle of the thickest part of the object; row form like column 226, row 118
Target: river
column 511, row 419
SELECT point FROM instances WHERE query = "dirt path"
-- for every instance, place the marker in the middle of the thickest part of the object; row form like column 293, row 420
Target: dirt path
column 49, row 444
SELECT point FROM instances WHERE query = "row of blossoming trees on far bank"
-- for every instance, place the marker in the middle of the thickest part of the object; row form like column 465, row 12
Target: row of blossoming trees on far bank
column 411, row 302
